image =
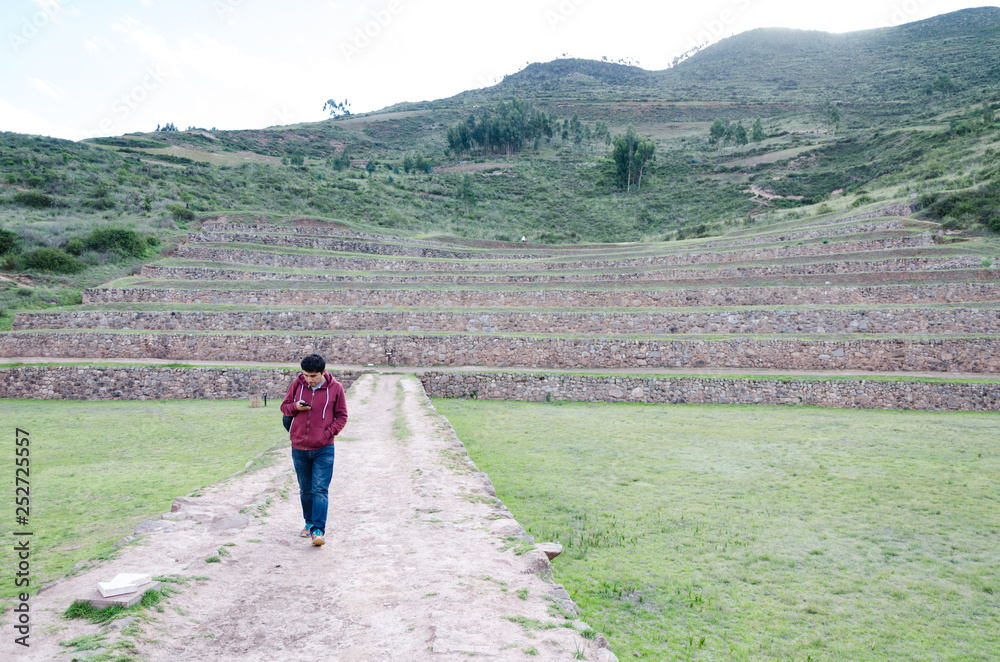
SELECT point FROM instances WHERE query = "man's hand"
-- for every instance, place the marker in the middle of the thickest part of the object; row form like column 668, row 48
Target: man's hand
column 302, row 406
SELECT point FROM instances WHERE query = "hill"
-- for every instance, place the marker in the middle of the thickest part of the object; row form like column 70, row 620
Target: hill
column 916, row 106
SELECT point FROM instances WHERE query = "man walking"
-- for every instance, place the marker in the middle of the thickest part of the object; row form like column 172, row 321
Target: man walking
column 317, row 404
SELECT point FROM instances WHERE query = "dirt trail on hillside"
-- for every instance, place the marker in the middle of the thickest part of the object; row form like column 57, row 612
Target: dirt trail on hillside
column 418, row 563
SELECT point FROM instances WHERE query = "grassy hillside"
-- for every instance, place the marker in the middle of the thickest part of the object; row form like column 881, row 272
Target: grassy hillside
column 898, row 139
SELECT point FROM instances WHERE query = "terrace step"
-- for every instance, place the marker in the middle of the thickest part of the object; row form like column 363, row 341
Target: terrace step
column 838, row 251
column 902, row 354
column 916, row 294
column 676, row 389
column 804, row 235
column 729, row 321
column 895, row 227
column 351, row 246
column 918, row 264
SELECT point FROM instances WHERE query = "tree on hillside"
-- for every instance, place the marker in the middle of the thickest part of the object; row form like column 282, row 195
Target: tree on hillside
column 757, row 132
column 504, row 130
column 717, row 134
column 601, row 132
column 341, row 160
column 632, row 154
column 739, row 136
column 943, row 84
column 831, row 115
column 337, row 107
column 576, row 129
column 466, row 193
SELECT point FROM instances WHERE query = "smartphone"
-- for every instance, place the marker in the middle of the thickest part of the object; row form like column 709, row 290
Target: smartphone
column 302, row 403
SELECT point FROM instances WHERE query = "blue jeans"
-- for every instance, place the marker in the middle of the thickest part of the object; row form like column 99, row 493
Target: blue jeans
column 314, row 469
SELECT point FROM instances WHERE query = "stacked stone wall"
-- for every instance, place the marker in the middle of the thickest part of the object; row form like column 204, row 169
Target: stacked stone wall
column 889, row 321
column 917, row 264
column 333, row 244
column 263, row 258
column 972, row 355
column 570, row 298
column 160, row 383
column 887, row 226
column 150, row 382
column 851, row 394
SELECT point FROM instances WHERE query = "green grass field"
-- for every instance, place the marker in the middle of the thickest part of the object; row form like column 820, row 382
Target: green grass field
column 758, row 533
column 99, row 468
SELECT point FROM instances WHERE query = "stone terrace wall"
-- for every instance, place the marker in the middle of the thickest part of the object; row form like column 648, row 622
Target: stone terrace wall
column 252, row 228
column 311, row 231
column 809, row 234
column 916, row 264
column 150, row 382
column 159, row 383
column 567, row 298
column 332, row 244
column 263, row 258
column 893, row 321
column 973, row 355
column 853, row 394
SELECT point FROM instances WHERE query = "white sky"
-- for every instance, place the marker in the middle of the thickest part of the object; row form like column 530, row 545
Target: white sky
column 72, row 69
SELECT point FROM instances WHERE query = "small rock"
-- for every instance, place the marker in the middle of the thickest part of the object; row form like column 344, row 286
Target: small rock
column 124, row 541
column 601, row 641
column 605, row 655
column 537, row 563
column 154, row 526
column 228, row 522
column 508, row 528
column 559, row 592
column 180, row 502
column 551, row 549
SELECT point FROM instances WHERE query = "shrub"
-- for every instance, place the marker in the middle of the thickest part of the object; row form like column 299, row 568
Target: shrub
column 118, row 240
column 34, row 199
column 8, row 242
column 53, row 259
column 180, row 212
column 982, row 205
column 75, row 246
column 862, row 200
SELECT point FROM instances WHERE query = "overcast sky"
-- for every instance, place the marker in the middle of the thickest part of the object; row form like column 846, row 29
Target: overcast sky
column 81, row 68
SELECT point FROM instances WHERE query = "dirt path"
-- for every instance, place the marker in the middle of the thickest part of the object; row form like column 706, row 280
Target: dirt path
column 418, row 563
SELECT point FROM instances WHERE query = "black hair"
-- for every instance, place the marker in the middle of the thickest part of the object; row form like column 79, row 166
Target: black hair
column 313, row 363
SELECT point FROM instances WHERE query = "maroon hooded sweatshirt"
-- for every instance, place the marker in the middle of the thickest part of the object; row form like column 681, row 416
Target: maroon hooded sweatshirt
column 316, row 427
